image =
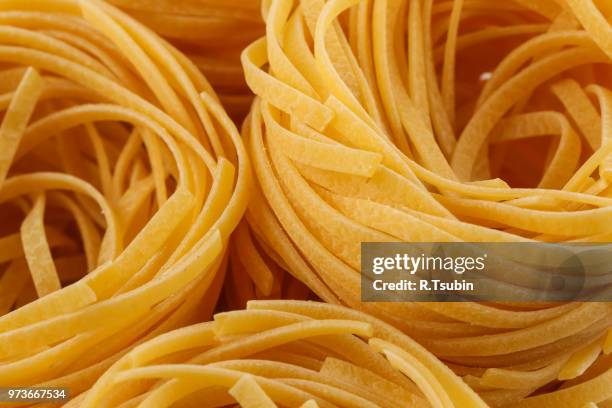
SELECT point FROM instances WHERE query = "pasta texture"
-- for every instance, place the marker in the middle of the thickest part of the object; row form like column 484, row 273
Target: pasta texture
column 212, row 33
column 423, row 121
column 281, row 353
column 153, row 256
column 121, row 180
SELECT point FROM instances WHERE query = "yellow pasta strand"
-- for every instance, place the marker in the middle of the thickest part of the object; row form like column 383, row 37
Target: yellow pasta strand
column 36, row 250
column 249, row 394
column 16, row 118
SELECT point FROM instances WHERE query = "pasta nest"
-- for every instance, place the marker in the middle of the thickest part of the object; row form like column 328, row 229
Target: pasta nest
column 423, row 121
column 121, row 180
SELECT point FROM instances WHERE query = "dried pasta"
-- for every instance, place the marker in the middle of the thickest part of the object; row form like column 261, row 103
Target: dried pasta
column 440, row 121
column 121, row 180
column 282, row 353
column 131, row 212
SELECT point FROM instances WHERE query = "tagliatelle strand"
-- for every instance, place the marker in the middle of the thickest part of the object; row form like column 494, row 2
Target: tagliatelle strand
column 18, row 113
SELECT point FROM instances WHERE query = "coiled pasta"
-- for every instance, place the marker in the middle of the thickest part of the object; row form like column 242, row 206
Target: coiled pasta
column 290, row 353
column 423, row 121
column 123, row 185
column 121, row 180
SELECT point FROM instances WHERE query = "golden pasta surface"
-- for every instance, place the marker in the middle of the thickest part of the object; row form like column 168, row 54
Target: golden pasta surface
column 185, row 186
